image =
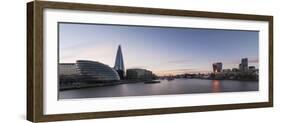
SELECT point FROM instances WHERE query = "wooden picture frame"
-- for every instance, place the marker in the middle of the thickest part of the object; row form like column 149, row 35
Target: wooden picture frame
column 35, row 46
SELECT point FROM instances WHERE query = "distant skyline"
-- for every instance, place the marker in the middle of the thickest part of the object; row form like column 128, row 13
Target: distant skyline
column 162, row 50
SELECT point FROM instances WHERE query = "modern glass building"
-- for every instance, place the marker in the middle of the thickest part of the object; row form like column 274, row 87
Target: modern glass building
column 217, row 67
column 244, row 65
column 139, row 74
column 68, row 73
column 119, row 63
column 67, row 69
column 95, row 71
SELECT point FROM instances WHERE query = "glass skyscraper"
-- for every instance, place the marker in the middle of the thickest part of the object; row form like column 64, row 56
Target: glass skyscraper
column 119, row 63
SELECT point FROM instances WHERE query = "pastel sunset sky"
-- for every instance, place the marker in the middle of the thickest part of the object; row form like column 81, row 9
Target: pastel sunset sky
column 163, row 50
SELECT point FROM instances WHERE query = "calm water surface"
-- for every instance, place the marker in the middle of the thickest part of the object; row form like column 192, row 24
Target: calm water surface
column 177, row 86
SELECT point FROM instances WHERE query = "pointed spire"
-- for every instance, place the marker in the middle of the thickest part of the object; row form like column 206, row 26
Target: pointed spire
column 119, row 64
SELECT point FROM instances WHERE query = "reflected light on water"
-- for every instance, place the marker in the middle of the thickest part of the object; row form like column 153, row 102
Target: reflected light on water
column 215, row 86
column 165, row 87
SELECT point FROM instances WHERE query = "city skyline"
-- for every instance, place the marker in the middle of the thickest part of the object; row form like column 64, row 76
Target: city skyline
column 160, row 49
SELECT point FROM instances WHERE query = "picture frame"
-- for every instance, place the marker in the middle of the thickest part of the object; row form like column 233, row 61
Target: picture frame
column 36, row 49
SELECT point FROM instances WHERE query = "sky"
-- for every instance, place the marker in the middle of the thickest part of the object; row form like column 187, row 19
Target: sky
column 163, row 50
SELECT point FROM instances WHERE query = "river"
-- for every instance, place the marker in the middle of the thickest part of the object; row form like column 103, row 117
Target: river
column 176, row 86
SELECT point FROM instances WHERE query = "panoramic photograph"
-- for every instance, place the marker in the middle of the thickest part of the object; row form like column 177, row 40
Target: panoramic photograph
column 107, row 60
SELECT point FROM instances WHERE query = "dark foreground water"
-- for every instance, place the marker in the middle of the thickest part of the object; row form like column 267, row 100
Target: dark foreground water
column 177, row 86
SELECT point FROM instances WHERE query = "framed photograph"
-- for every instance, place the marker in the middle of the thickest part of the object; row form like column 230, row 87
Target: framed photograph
column 90, row 61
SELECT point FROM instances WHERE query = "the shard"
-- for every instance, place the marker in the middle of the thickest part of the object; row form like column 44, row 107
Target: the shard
column 119, row 63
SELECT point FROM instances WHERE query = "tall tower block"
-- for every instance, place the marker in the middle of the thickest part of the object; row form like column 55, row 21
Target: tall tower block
column 119, row 63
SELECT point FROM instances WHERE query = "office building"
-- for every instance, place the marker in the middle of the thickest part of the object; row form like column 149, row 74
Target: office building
column 243, row 66
column 226, row 70
column 217, row 67
column 67, row 73
column 93, row 71
column 235, row 70
column 139, row 74
column 119, row 63
column 67, row 69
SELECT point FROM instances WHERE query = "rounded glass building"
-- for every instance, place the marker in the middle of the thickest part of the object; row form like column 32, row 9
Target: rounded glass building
column 96, row 71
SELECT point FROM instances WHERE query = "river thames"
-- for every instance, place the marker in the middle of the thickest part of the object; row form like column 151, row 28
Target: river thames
column 166, row 87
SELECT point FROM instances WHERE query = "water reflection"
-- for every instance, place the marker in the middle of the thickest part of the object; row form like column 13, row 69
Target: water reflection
column 177, row 86
column 215, row 86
